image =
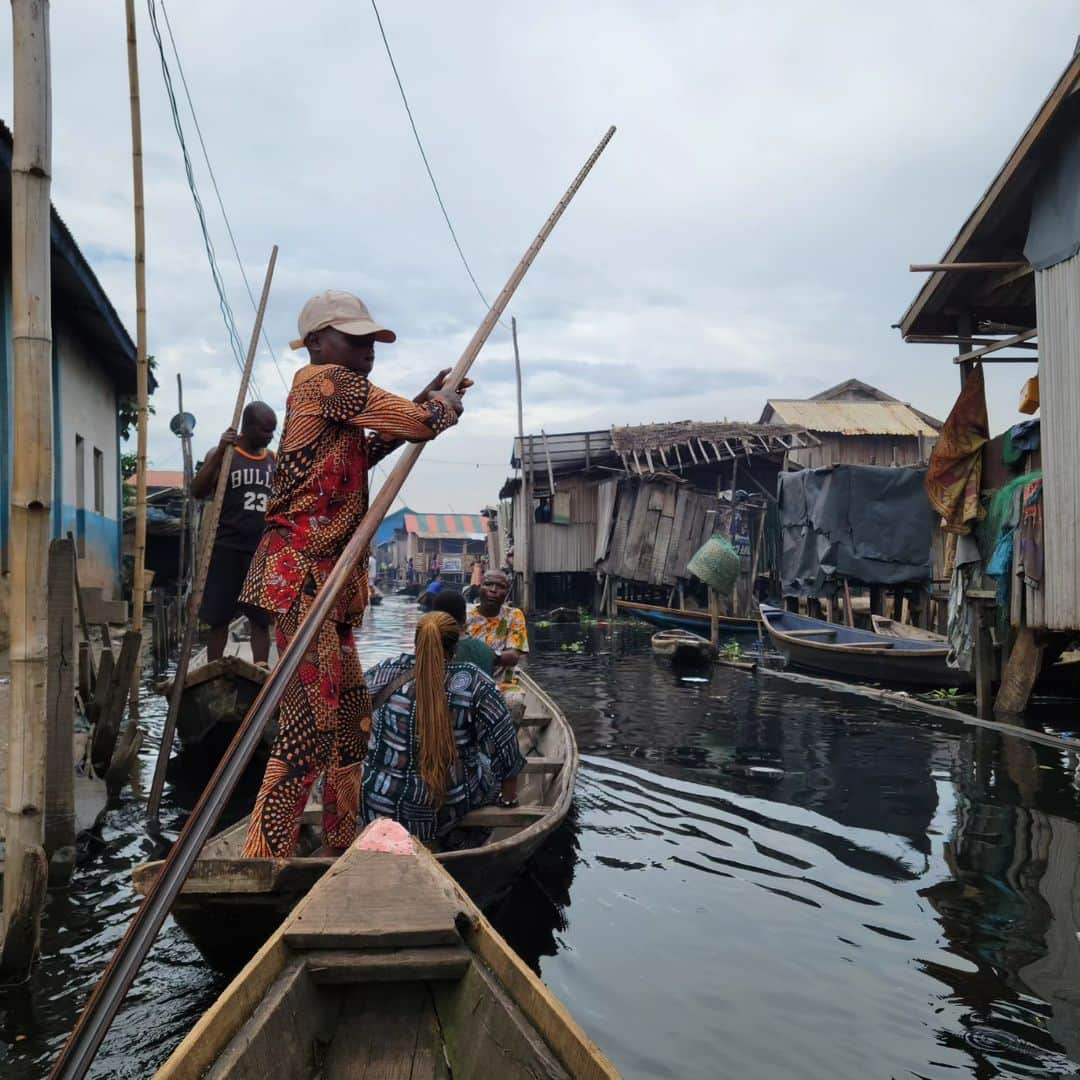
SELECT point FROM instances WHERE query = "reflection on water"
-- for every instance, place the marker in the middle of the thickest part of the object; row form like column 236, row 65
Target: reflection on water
column 898, row 898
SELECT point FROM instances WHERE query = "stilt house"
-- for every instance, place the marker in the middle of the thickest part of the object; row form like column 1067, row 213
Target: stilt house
column 856, row 424
column 1005, row 292
column 602, row 515
column 93, row 370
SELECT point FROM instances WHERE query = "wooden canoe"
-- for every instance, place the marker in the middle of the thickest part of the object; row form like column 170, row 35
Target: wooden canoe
column 387, row 969
column 230, row 905
column 840, row 651
column 217, row 696
column 682, row 647
column 891, row 628
column 695, row 621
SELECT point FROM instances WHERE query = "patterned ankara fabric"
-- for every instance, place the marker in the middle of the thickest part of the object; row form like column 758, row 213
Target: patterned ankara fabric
column 503, row 631
column 319, row 497
column 487, row 749
column 954, row 474
column 321, row 486
column 323, row 726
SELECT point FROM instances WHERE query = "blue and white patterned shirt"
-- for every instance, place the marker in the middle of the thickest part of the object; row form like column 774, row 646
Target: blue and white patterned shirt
column 487, row 749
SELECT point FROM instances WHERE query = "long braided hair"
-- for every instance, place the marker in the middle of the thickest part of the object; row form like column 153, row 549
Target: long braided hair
column 436, row 636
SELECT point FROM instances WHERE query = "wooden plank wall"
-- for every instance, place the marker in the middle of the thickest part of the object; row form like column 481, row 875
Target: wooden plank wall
column 658, row 527
column 838, row 449
column 1058, row 313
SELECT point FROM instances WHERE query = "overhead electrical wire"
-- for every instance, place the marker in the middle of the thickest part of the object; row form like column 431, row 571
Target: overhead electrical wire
column 223, row 300
column 427, row 164
column 217, row 190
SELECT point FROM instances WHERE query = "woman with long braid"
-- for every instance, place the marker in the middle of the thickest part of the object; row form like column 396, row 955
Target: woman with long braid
column 442, row 740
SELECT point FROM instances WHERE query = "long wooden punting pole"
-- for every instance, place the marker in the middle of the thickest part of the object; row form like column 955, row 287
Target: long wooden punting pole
column 142, row 366
column 79, row 1052
column 202, row 563
column 527, row 578
column 31, row 492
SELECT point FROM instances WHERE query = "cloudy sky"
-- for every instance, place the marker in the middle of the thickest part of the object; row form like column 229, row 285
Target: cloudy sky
column 745, row 236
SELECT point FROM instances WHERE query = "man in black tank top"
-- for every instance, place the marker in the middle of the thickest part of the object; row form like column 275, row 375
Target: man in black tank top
column 240, row 527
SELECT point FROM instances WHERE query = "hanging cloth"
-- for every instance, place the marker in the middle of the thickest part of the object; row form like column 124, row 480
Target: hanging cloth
column 954, row 475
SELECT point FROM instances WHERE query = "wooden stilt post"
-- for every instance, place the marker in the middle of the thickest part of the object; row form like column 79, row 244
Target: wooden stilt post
column 59, row 766
column 138, row 587
column 850, row 615
column 528, row 580
column 984, row 665
column 31, row 492
column 1019, row 674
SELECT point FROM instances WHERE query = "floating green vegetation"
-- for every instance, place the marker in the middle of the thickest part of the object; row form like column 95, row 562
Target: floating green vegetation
column 732, row 651
column 572, row 646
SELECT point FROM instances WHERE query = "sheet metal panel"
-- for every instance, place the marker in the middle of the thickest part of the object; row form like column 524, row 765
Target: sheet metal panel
column 1057, row 302
column 853, row 417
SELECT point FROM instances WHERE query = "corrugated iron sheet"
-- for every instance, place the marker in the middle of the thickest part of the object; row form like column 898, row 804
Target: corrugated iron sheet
column 443, row 526
column 852, row 417
column 1056, row 290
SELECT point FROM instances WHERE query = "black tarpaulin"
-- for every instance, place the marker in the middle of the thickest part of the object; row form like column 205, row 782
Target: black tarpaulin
column 866, row 523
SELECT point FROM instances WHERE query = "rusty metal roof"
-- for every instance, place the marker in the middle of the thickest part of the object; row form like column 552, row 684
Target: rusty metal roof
column 851, row 417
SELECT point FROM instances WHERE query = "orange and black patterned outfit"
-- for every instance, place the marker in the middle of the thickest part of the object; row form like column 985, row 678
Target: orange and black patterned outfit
column 337, row 424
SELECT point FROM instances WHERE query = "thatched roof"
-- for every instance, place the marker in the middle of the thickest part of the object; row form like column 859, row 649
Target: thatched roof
column 731, row 438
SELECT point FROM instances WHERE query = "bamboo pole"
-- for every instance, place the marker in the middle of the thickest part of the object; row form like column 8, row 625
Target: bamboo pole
column 526, row 482
column 31, row 491
column 104, row 1002
column 205, row 551
column 142, row 366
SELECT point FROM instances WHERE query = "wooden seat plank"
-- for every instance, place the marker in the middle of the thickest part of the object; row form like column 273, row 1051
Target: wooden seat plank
column 543, row 765
column 541, row 720
column 499, row 817
column 388, row 965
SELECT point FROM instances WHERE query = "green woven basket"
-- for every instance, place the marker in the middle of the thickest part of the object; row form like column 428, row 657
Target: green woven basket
column 717, row 564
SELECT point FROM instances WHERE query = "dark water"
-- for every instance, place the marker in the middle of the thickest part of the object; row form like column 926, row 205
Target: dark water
column 904, row 902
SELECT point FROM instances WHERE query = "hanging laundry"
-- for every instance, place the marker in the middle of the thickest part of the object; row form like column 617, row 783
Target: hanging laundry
column 954, row 475
column 1019, row 440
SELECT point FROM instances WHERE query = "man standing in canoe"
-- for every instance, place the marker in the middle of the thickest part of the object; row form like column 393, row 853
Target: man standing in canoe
column 240, row 526
column 498, row 623
column 337, row 424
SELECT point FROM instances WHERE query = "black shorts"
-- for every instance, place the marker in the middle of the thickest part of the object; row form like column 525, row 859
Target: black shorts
column 224, row 580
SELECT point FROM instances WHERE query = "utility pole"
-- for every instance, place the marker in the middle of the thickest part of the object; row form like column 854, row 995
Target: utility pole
column 528, row 579
column 26, row 868
column 138, row 586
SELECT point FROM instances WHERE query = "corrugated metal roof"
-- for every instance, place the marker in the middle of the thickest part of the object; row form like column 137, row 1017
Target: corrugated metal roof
column 852, row 417
column 443, row 526
column 160, row 478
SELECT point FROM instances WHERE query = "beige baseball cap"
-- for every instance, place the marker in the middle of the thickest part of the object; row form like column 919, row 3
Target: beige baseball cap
column 341, row 310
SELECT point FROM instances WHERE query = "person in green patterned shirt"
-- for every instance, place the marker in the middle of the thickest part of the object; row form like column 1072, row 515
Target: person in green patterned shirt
column 469, row 650
column 497, row 623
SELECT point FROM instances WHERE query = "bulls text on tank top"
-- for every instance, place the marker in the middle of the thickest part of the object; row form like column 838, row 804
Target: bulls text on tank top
column 247, row 491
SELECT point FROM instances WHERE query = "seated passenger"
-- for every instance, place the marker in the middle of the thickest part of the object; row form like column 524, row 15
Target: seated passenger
column 498, row 624
column 442, row 741
column 469, row 650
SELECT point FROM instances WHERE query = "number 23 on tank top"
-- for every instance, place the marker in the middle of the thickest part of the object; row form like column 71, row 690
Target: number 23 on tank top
column 255, row 500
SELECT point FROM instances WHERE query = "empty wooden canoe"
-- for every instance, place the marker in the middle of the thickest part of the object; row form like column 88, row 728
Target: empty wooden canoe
column 230, row 905
column 682, row 647
column 840, row 651
column 387, row 969
column 696, row 621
